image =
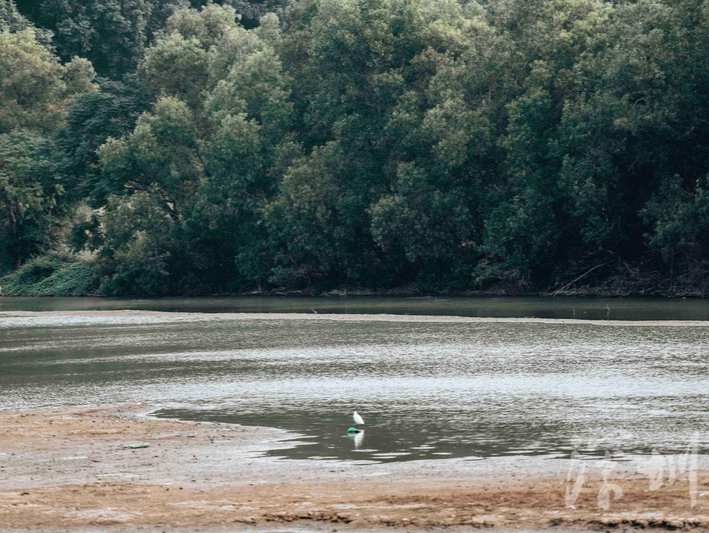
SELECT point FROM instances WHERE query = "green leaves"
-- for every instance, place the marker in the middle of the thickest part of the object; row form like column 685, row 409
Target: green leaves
column 138, row 245
column 161, row 152
column 357, row 142
column 28, row 195
column 34, row 87
column 110, row 33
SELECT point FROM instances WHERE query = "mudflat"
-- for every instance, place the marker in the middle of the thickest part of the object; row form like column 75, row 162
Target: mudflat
column 68, row 469
column 86, row 316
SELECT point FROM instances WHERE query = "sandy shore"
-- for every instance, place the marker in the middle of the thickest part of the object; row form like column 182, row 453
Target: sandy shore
column 80, row 317
column 68, row 470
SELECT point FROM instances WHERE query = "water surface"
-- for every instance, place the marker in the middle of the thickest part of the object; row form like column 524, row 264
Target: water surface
column 566, row 307
column 426, row 389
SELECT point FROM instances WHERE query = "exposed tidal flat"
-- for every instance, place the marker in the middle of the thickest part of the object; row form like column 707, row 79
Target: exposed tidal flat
column 482, row 421
column 66, row 470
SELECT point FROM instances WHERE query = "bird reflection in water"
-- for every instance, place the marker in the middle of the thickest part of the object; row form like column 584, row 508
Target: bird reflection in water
column 358, row 439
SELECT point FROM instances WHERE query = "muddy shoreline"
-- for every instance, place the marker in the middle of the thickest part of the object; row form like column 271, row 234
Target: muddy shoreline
column 86, row 316
column 67, row 469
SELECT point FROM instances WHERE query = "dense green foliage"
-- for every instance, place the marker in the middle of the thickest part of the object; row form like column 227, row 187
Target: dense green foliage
column 354, row 143
column 54, row 275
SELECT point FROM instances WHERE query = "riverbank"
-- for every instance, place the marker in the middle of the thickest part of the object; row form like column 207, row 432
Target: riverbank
column 561, row 308
column 130, row 316
column 57, row 275
column 610, row 290
column 68, row 469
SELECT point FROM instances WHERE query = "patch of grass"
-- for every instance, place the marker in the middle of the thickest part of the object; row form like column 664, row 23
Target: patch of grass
column 53, row 275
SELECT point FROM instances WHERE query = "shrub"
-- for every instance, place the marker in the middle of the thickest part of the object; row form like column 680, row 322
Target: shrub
column 53, row 275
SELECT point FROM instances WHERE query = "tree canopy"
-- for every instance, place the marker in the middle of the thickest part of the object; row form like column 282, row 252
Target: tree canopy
column 373, row 144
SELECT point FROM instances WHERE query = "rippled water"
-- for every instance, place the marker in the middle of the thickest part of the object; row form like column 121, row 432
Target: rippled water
column 426, row 389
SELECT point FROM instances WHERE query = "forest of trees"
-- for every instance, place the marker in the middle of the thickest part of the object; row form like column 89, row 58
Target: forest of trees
column 165, row 147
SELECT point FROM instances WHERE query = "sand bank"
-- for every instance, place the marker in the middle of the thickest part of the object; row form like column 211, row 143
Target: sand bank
column 42, row 317
column 67, row 469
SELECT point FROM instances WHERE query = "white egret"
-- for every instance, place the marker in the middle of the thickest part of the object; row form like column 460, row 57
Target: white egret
column 358, row 419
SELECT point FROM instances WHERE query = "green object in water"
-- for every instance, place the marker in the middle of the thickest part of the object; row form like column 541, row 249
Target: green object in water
column 135, row 445
column 352, row 430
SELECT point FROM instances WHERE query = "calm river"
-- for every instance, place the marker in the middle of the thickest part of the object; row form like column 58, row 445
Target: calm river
column 427, row 389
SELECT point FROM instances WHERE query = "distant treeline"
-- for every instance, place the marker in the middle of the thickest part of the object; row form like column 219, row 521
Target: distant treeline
column 167, row 147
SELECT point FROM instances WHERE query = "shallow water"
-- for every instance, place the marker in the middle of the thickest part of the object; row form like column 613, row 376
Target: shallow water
column 578, row 308
column 426, row 389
